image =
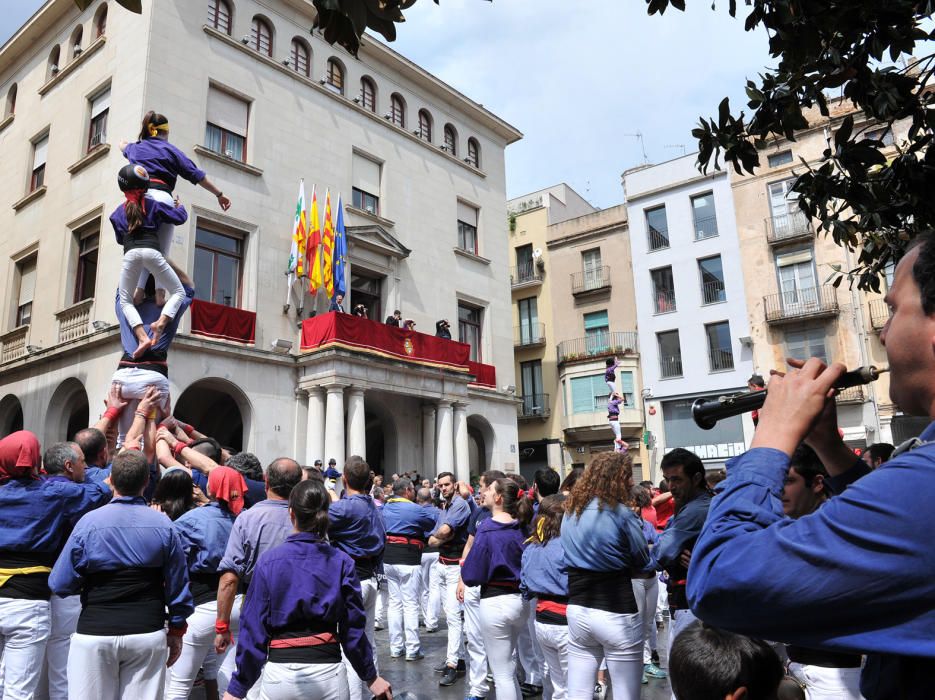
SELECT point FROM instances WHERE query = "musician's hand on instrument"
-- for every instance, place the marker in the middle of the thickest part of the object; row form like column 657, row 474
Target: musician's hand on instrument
column 794, row 403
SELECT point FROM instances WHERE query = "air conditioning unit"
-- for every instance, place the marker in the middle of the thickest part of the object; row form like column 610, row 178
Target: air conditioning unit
column 245, row 40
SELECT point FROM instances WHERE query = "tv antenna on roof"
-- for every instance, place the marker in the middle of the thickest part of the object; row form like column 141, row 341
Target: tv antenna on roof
column 639, row 135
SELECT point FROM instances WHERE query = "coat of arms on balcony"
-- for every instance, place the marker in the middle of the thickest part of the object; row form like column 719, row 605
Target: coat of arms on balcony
column 407, row 346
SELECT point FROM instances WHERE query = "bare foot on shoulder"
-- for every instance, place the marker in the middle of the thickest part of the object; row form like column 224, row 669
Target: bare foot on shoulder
column 142, row 348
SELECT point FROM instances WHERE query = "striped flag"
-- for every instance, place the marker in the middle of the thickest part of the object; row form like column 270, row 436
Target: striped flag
column 313, row 248
column 327, row 249
column 296, row 266
column 340, row 251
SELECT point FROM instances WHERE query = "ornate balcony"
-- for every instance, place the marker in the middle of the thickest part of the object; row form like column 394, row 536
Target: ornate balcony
column 590, row 281
column 879, row 314
column 13, row 344
column 598, row 345
column 525, row 275
column 529, row 335
column 798, row 304
column 534, row 406
column 782, row 229
column 75, row 321
column 853, row 394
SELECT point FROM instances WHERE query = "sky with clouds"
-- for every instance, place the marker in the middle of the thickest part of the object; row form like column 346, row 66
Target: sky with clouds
column 579, row 79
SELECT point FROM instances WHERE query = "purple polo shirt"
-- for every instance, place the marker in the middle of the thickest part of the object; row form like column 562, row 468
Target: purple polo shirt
column 163, row 161
column 356, row 527
column 496, row 555
column 302, row 584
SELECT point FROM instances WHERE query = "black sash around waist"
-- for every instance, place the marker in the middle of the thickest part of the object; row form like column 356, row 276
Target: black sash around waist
column 551, row 609
column 26, row 586
column 365, row 567
column 204, row 586
column 678, row 598
column 403, row 550
column 121, row 602
column 305, row 646
column 821, row 657
column 610, row 591
column 451, row 551
column 492, row 589
column 152, row 360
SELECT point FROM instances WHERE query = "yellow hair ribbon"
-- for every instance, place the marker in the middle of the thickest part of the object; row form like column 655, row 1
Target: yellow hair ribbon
column 540, row 528
column 154, row 130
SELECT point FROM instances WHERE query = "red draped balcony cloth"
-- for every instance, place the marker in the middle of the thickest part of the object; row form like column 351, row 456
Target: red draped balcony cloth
column 484, row 375
column 223, row 322
column 339, row 330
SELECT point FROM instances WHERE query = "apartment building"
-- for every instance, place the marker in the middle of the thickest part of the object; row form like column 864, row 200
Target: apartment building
column 794, row 309
column 694, row 332
column 258, row 102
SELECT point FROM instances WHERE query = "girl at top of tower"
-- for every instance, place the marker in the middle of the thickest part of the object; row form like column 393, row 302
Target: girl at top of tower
column 136, row 225
column 165, row 163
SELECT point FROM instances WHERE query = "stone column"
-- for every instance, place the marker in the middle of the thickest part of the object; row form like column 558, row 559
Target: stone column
column 334, row 425
column 356, row 423
column 429, row 467
column 444, row 439
column 315, row 426
column 300, row 428
column 462, row 460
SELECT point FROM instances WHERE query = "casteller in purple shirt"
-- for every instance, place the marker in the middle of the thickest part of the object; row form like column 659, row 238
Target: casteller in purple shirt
column 496, row 555
column 163, row 162
column 304, row 583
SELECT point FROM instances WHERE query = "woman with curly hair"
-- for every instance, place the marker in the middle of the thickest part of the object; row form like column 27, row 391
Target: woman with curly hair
column 545, row 578
column 604, row 547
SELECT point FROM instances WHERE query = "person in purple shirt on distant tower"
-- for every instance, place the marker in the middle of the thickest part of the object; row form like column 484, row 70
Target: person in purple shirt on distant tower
column 165, row 164
column 610, row 374
column 136, row 223
column 494, row 563
column 613, row 416
column 303, row 607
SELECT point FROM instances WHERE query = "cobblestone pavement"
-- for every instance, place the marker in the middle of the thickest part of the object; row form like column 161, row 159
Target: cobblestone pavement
column 418, row 679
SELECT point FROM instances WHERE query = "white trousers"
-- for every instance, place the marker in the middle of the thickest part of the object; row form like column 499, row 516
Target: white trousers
column 553, row 641
column 662, row 603
column 502, row 619
column 615, row 426
column 646, row 592
column 452, row 575
column 24, row 630
column 381, row 604
column 197, row 648
column 431, row 602
column 474, row 643
column 618, row 638
column 53, row 684
column 133, row 385
column 527, row 647
column 291, row 681
column 228, row 664
column 680, row 620
column 359, row 689
column 404, row 584
column 117, row 667
column 151, row 260
column 828, row 683
column 165, row 233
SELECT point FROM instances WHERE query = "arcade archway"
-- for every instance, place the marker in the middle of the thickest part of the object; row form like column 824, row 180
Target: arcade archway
column 11, row 415
column 480, row 445
column 216, row 408
column 382, row 452
column 68, row 411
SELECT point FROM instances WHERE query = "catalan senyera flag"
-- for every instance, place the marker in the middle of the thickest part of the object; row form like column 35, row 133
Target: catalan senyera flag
column 313, row 247
column 327, row 249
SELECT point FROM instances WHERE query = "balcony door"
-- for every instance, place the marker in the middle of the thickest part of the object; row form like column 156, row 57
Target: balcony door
column 525, row 270
column 528, row 321
column 531, row 380
column 366, row 289
column 593, row 272
column 788, row 219
column 797, row 285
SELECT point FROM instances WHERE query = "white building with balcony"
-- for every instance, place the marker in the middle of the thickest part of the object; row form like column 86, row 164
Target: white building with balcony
column 694, row 332
column 259, row 103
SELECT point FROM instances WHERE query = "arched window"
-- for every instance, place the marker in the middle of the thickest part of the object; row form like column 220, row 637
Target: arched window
column 334, row 78
column 10, row 101
column 398, row 111
column 219, row 15
column 53, row 62
column 425, row 126
column 100, row 21
column 75, row 42
column 300, row 57
column 261, row 36
column 451, row 140
column 473, row 156
column 368, row 94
